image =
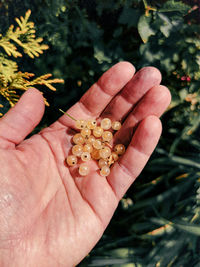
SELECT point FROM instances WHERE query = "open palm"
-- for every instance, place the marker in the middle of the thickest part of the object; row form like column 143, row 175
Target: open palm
column 50, row 216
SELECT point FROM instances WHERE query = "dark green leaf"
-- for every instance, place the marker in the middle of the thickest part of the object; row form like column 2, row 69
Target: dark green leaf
column 129, row 17
column 187, row 227
column 144, row 28
column 167, row 25
column 174, row 6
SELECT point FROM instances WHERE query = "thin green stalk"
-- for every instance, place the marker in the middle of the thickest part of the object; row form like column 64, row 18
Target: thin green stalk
column 67, row 114
column 145, row 4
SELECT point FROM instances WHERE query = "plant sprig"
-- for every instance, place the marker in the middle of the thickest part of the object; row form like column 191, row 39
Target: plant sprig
column 11, row 79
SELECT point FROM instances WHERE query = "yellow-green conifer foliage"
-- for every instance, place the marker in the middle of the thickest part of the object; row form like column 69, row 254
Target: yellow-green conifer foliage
column 11, row 79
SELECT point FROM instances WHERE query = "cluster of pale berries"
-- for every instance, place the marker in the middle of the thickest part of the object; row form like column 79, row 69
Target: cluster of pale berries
column 94, row 142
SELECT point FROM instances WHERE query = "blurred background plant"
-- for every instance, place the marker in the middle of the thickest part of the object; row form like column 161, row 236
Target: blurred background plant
column 157, row 221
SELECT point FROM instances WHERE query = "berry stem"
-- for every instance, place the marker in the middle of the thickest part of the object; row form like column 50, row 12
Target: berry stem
column 67, row 114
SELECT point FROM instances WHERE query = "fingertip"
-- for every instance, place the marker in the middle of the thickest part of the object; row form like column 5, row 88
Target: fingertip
column 151, row 73
column 36, row 95
column 162, row 90
column 167, row 94
column 20, row 120
column 116, row 77
column 128, row 67
column 125, row 69
column 153, row 124
column 30, row 99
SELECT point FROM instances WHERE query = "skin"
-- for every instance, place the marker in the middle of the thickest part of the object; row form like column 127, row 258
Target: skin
column 49, row 215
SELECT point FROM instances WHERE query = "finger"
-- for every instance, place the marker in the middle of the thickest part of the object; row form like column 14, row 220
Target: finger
column 154, row 102
column 126, row 170
column 20, row 120
column 134, row 90
column 93, row 102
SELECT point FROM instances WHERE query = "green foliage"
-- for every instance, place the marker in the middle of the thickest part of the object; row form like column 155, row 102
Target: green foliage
column 24, row 36
column 157, row 222
column 174, row 6
column 144, row 28
column 10, row 78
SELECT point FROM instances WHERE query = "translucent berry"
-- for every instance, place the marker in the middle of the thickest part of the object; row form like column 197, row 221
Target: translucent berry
column 83, row 169
column 105, row 152
column 95, row 154
column 106, row 124
column 105, row 171
column 86, row 132
column 90, row 139
column 97, row 132
column 91, row 124
column 88, row 148
column 85, row 156
column 107, row 136
column 71, row 160
column 119, row 149
column 80, row 124
column 77, row 150
column 97, row 144
column 102, row 162
column 78, row 139
column 114, row 156
column 116, row 125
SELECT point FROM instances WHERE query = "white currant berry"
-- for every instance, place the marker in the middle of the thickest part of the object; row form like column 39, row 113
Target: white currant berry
column 105, row 152
column 77, row 150
column 78, row 139
column 97, row 144
column 106, row 124
column 105, row 171
column 95, row 154
column 84, row 169
column 85, row 156
column 98, row 131
column 90, row 139
column 91, row 124
column 80, row 124
column 119, row 149
column 71, row 160
column 86, row 132
column 102, row 162
column 116, row 125
column 87, row 148
column 107, row 136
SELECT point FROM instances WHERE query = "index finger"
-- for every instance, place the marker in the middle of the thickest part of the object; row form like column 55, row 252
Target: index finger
column 94, row 101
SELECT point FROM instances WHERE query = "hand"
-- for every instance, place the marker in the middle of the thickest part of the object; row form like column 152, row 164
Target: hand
column 49, row 217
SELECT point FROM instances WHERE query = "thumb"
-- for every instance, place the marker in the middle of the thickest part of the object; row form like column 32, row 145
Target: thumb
column 20, row 120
